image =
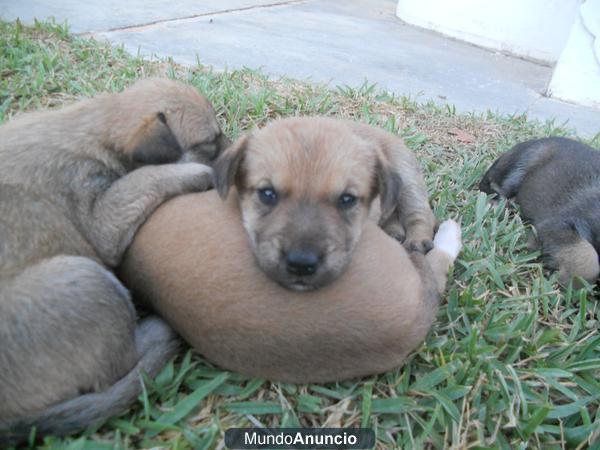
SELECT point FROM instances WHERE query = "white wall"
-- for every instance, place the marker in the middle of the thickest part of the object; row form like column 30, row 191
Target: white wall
column 536, row 29
column 576, row 77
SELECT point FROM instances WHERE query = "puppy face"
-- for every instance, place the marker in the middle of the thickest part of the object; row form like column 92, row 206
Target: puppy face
column 489, row 184
column 305, row 188
column 172, row 122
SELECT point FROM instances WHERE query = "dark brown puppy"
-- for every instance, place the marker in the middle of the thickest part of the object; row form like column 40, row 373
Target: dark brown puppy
column 555, row 182
column 306, row 186
column 75, row 185
column 364, row 322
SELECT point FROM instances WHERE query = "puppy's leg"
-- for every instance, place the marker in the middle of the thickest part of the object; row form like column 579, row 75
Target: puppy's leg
column 394, row 228
column 412, row 220
column 418, row 221
column 413, row 213
column 121, row 209
column 68, row 334
column 67, row 326
column 433, row 269
column 568, row 252
column 156, row 344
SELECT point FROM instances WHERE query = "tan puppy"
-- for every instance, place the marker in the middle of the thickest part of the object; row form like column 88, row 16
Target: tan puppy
column 75, row 185
column 306, row 186
column 364, row 322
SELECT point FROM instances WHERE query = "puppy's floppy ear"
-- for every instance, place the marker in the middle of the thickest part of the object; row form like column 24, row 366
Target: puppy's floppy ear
column 388, row 185
column 228, row 164
column 154, row 143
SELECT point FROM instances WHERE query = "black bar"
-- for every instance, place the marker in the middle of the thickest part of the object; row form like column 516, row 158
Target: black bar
column 299, row 438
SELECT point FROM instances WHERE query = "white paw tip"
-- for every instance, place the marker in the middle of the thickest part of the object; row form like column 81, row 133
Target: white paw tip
column 448, row 238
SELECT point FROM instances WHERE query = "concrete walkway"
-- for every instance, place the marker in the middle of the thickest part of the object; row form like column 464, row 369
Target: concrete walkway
column 333, row 41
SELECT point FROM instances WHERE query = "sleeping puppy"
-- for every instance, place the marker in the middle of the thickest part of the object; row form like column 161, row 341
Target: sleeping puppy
column 306, row 187
column 555, row 182
column 75, row 185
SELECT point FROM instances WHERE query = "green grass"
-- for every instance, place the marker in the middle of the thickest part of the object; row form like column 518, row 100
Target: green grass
column 513, row 361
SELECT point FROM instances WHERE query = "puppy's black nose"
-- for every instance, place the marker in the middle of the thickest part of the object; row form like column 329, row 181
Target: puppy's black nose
column 301, row 262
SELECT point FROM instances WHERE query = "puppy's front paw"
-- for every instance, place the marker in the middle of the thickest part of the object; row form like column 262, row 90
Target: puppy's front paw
column 418, row 245
column 395, row 230
column 196, row 177
column 447, row 238
column 411, row 243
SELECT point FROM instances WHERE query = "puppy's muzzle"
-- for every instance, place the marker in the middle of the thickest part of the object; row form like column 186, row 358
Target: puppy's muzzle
column 302, row 263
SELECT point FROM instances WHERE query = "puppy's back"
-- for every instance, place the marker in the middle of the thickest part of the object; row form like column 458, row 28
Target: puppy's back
column 543, row 174
column 565, row 179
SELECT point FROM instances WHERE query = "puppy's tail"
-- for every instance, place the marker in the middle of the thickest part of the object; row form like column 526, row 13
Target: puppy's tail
column 156, row 343
column 435, row 265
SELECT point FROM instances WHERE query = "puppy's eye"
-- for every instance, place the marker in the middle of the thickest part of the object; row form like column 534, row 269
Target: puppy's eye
column 268, row 196
column 346, row 201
